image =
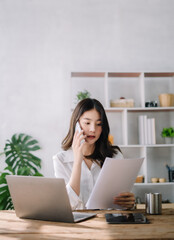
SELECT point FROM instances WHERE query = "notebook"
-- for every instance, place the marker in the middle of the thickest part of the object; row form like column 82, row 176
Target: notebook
column 42, row 198
column 116, row 176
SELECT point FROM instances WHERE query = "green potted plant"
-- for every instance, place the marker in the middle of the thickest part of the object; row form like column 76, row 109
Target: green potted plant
column 168, row 135
column 20, row 161
column 82, row 95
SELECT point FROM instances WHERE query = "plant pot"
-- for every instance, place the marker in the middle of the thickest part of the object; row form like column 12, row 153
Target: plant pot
column 168, row 140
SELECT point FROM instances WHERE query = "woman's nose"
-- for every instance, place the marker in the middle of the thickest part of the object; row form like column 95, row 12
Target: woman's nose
column 92, row 128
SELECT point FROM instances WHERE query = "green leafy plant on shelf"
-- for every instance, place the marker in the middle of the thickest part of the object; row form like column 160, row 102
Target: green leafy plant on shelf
column 20, row 161
column 82, row 95
column 168, row 132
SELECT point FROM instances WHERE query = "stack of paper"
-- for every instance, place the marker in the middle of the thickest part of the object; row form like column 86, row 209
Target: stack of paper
column 147, row 133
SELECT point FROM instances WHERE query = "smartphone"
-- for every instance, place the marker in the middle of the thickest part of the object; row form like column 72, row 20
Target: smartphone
column 78, row 128
column 129, row 218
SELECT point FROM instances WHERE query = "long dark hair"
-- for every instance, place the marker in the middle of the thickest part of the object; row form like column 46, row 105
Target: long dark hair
column 103, row 147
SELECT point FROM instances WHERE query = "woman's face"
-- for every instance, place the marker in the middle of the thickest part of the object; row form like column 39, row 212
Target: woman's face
column 90, row 122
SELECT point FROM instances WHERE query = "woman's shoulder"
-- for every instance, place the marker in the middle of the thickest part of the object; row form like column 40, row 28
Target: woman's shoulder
column 64, row 156
column 118, row 155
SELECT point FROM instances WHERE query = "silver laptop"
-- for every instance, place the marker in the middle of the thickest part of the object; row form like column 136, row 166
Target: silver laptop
column 42, row 198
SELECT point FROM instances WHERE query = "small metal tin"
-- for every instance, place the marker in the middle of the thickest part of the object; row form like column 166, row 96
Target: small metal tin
column 153, row 203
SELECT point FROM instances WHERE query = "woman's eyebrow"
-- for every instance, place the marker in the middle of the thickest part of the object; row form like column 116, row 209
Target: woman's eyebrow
column 91, row 119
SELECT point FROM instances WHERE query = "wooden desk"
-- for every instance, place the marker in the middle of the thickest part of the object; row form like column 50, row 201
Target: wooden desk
column 161, row 227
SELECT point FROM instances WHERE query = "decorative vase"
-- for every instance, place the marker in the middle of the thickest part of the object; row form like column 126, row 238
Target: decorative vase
column 166, row 100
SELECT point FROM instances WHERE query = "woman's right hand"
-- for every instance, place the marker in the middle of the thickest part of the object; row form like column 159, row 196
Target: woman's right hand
column 78, row 158
column 77, row 146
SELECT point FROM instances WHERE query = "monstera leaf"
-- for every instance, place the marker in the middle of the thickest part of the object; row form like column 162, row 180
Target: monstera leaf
column 18, row 154
column 5, row 198
column 20, row 161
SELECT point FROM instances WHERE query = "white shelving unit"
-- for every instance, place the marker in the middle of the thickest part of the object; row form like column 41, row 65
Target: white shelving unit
column 142, row 87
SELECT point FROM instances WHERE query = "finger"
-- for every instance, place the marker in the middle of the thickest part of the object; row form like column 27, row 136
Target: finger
column 78, row 136
column 75, row 136
column 127, row 207
column 82, row 142
column 124, row 203
column 130, row 200
column 124, row 198
column 130, row 204
column 126, row 194
column 81, row 138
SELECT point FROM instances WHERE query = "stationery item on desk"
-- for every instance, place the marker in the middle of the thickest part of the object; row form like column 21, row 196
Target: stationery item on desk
column 146, row 130
column 116, row 176
column 126, row 218
column 153, row 202
column 42, row 198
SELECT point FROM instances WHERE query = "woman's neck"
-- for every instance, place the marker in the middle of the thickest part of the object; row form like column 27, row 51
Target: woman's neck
column 88, row 149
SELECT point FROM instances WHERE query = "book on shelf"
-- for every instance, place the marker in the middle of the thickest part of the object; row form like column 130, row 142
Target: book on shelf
column 146, row 130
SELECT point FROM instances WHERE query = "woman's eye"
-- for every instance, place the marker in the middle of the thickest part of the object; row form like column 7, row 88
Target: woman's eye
column 99, row 124
column 87, row 123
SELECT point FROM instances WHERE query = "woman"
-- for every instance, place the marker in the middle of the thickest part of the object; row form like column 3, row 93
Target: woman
column 84, row 154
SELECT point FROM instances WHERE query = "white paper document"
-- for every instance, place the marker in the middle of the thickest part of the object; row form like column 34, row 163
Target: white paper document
column 116, row 176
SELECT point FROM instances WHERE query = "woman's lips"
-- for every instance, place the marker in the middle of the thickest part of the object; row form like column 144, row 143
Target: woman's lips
column 90, row 137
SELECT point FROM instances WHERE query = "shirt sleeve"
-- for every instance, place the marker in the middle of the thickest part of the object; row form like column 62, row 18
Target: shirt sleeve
column 61, row 171
column 75, row 200
column 119, row 155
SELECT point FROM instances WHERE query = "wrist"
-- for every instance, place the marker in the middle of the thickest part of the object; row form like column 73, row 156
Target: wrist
column 77, row 163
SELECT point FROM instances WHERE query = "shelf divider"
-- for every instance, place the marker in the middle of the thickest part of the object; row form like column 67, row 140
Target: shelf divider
column 124, row 127
column 142, row 91
column 106, row 91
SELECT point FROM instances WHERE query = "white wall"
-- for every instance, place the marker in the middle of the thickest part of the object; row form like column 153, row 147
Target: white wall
column 41, row 41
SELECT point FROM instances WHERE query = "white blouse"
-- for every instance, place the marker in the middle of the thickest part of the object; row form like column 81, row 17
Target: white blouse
column 63, row 164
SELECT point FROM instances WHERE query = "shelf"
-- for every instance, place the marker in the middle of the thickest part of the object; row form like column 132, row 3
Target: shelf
column 115, row 109
column 140, row 109
column 131, row 146
column 161, row 145
column 124, row 74
column 159, row 74
column 87, row 74
column 148, row 146
column 124, row 122
column 153, row 184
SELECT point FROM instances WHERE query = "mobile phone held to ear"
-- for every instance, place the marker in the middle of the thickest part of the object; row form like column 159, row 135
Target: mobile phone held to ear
column 78, row 128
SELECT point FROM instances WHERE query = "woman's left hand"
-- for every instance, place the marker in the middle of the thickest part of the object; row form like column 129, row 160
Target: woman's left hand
column 125, row 199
